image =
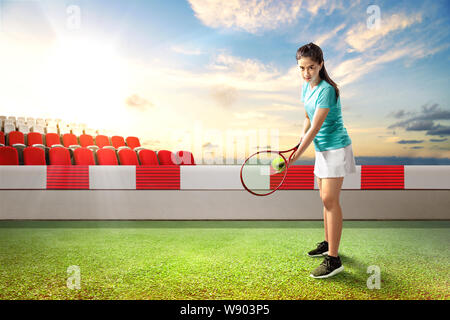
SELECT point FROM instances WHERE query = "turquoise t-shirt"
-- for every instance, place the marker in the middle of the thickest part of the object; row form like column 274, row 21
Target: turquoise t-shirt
column 332, row 135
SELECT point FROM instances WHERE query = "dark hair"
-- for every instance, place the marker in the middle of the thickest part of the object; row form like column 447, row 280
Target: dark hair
column 314, row 52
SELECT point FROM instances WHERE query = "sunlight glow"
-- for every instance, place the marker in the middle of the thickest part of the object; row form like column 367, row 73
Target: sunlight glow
column 84, row 81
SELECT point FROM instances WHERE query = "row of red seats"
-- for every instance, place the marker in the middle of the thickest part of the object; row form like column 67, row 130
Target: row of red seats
column 68, row 139
column 84, row 156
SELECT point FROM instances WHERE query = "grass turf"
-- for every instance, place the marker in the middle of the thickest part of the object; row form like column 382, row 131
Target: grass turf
column 220, row 260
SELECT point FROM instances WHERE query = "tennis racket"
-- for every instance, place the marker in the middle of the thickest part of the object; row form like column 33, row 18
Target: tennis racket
column 264, row 171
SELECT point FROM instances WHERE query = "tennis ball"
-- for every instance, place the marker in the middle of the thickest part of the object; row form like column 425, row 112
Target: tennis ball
column 278, row 164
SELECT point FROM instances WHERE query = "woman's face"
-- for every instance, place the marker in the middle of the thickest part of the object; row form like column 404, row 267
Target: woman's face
column 309, row 69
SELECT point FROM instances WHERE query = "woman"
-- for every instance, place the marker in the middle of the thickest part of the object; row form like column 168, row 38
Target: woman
column 334, row 154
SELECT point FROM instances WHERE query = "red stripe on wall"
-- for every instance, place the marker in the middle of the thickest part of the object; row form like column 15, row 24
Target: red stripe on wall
column 157, row 177
column 298, row 177
column 68, row 177
column 382, row 177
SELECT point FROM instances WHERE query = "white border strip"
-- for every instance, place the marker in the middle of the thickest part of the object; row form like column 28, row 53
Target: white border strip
column 112, row 177
column 204, row 177
column 23, row 177
column 210, row 177
column 427, row 177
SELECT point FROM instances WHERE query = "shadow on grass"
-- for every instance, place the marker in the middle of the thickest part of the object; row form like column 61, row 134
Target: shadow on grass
column 356, row 277
column 215, row 224
column 359, row 271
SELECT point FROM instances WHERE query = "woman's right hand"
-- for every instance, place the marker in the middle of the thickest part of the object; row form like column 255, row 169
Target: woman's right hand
column 301, row 138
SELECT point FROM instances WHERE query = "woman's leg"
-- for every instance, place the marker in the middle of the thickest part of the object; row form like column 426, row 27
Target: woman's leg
column 331, row 188
column 319, row 183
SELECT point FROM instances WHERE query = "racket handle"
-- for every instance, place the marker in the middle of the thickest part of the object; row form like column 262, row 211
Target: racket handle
column 298, row 145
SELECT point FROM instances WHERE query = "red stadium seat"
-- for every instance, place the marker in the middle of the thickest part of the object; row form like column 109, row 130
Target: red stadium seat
column 133, row 142
column 2, row 138
column 128, row 157
column 16, row 137
column 166, row 157
column 33, row 156
column 83, row 157
column 60, row 156
column 52, row 139
column 34, row 138
column 148, row 157
column 107, row 157
column 186, row 157
column 9, row 156
column 118, row 141
column 87, row 141
column 102, row 141
column 70, row 140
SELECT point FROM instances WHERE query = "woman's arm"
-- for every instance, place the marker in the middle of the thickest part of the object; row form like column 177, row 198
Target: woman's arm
column 306, row 125
column 311, row 132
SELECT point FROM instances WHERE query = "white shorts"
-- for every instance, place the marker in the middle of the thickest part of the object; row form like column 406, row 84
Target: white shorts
column 335, row 163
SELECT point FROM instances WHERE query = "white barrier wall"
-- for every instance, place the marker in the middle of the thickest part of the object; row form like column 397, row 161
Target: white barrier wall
column 210, row 177
column 219, row 205
column 215, row 192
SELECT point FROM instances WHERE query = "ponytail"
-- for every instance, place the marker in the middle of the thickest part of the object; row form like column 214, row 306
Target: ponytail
column 324, row 75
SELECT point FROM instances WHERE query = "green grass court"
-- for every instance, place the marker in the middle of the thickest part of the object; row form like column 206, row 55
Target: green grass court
column 220, row 260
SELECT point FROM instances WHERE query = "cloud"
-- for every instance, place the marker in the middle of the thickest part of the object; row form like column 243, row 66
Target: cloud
column 256, row 91
column 424, row 121
column 256, row 16
column 224, row 95
column 248, row 15
column 372, row 47
column 399, row 114
column 439, row 130
column 350, row 70
column 249, row 69
column 423, row 51
column 327, row 36
column 353, row 69
column 433, row 112
column 138, row 103
column 244, row 74
column 420, row 125
column 314, row 6
column 428, row 109
column 409, row 141
column 438, row 140
column 250, row 78
column 361, row 38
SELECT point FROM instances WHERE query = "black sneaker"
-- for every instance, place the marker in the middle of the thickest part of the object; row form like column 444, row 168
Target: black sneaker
column 321, row 250
column 329, row 267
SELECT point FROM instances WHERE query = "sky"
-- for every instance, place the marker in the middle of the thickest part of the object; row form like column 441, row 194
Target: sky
column 220, row 78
